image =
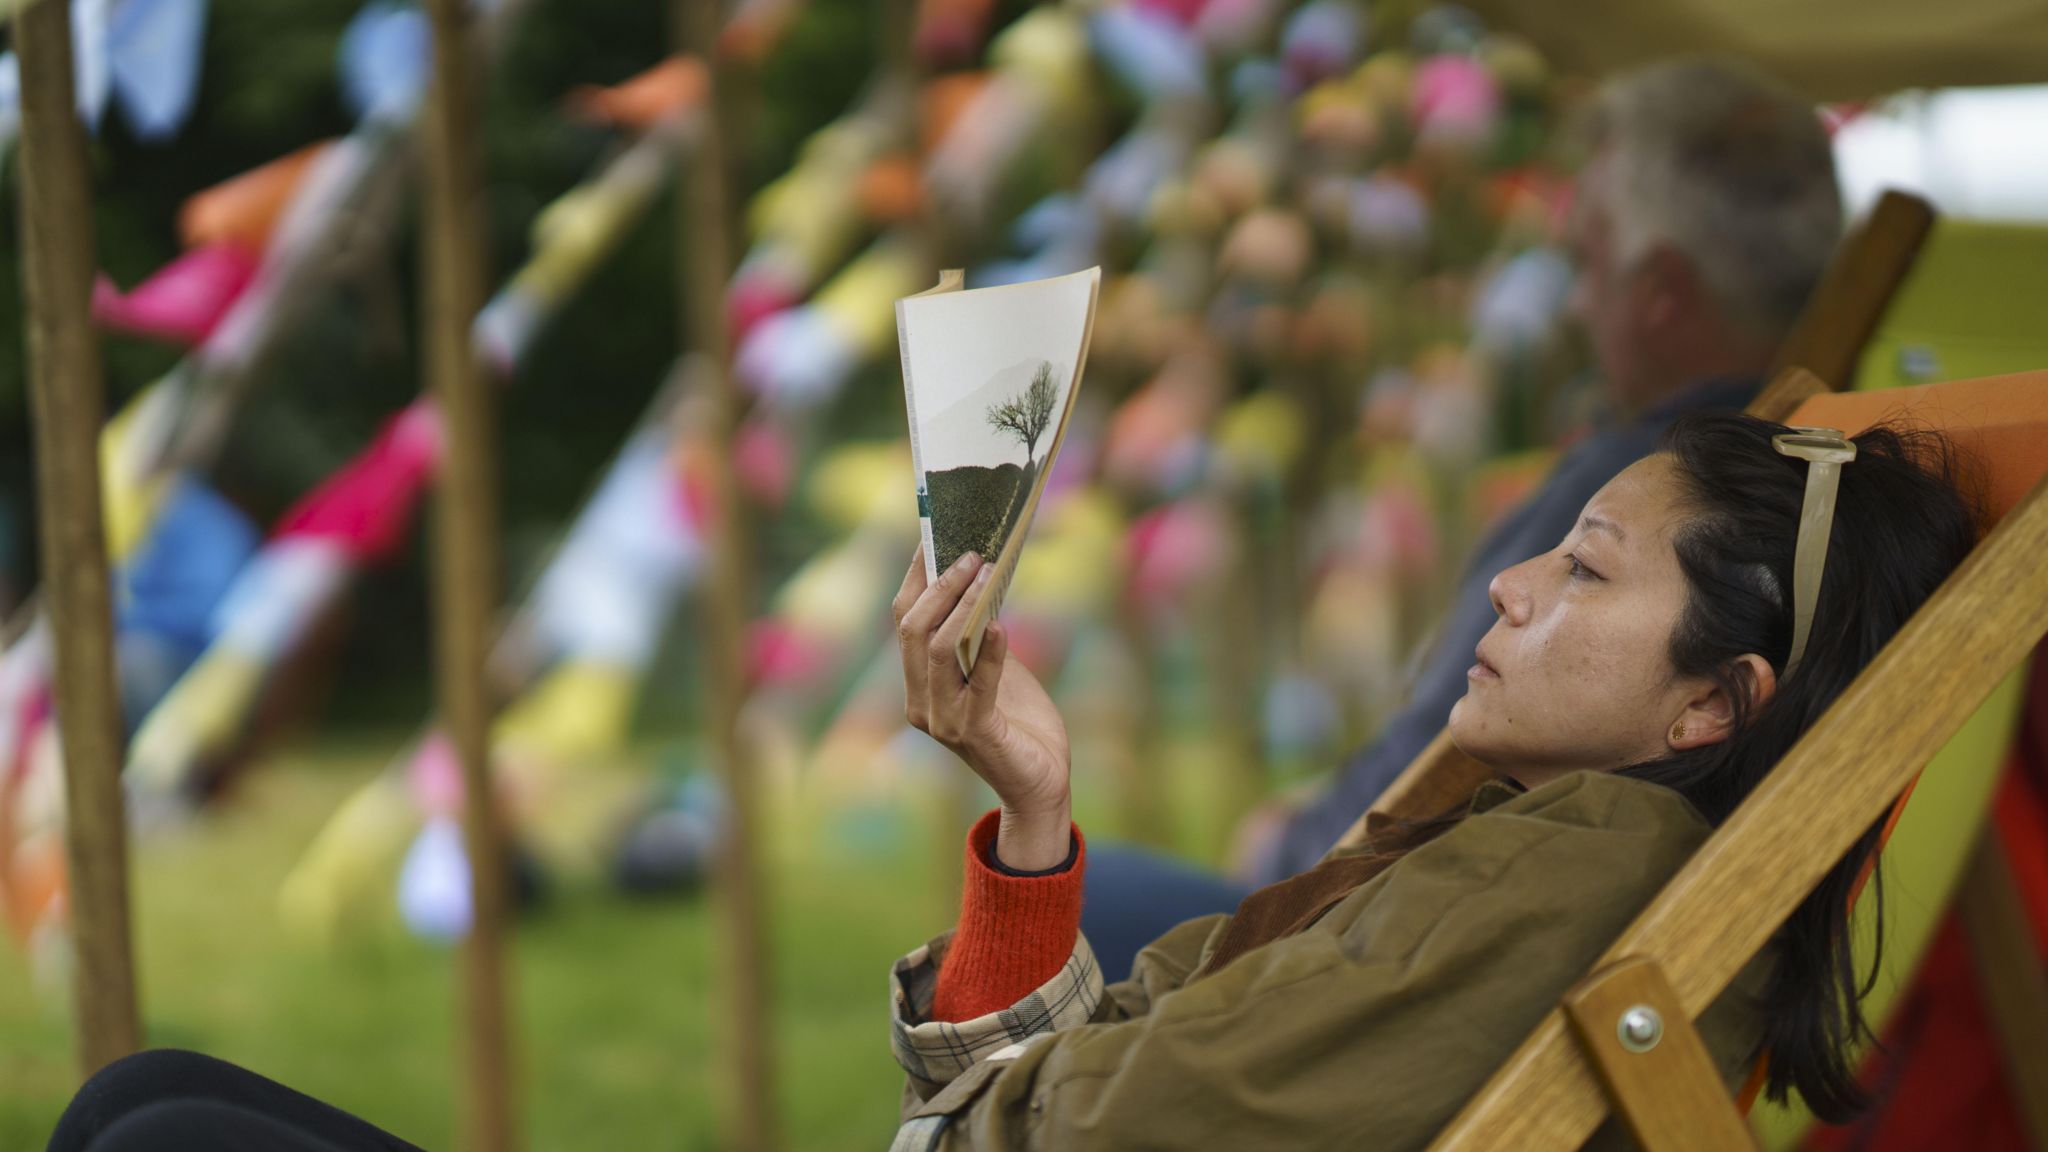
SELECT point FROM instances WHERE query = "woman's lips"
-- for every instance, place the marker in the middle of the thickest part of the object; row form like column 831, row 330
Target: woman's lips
column 1482, row 670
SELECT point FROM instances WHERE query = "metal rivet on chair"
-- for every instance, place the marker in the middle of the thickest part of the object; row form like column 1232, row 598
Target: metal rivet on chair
column 1640, row 1028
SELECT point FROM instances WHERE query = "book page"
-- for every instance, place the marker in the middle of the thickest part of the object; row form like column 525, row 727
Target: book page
column 950, row 280
column 990, row 377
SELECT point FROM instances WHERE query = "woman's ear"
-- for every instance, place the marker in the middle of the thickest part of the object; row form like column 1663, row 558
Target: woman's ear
column 1709, row 717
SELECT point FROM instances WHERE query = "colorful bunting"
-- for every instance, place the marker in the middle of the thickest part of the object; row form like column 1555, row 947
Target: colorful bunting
column 386, row 61
column 571, row 239
column 244, row 211
column 153, row 58
column 356, row 517
column 673, row 87
column 184, row 301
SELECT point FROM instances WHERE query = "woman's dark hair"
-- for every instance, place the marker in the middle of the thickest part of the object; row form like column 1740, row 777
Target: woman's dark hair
column 1901, row 526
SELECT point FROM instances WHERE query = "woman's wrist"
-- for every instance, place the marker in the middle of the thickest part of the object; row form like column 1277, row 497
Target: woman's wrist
column 1035, row 837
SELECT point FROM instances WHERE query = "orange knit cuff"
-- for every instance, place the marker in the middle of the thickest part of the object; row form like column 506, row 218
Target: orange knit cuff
column 1015, row 931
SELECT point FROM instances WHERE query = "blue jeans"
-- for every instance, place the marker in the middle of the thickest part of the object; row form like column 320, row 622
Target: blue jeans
column 1131, row 896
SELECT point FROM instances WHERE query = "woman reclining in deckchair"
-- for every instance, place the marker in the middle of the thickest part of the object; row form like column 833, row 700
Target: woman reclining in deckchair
column 1641, row 679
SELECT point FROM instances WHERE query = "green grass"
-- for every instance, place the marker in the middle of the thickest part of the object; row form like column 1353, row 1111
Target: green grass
column 615, row 996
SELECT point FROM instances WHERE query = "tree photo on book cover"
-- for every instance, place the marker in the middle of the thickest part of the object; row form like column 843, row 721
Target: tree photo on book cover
column 975, row 508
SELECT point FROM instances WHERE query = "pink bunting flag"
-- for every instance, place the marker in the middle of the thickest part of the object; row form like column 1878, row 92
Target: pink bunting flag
column 765, row 461
column 435, row 776
column 184, row 301
column 367, row 505
column 779, row 655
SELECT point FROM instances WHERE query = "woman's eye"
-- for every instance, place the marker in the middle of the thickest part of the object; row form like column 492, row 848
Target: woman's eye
column 1578, row 570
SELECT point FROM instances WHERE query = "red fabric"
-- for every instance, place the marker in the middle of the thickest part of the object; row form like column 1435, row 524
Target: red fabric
column 1940, row 1081
column 1015, row 931
column 367, row 505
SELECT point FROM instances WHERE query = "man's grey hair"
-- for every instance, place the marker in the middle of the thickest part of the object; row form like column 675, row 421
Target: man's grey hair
column 1728, row 168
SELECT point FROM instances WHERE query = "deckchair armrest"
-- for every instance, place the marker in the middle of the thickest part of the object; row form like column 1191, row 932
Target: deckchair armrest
column 1652, row 1062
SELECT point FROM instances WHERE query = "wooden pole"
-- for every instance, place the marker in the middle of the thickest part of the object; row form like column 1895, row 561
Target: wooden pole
column 706, row 240
column 68, row 408
column 466, row 577
column 896, row 24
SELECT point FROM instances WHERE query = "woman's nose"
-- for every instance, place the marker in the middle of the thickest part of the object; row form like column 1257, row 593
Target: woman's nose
column 1509, row 596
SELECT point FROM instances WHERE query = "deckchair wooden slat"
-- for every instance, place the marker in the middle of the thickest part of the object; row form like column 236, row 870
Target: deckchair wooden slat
column 1857, row 289
column 2009, row 971
column 466, row 570
column 1784, row 394
column 67, row 402
column 1834, row 784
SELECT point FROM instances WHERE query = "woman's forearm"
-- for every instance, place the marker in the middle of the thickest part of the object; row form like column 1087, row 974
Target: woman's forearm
column 1015, row 932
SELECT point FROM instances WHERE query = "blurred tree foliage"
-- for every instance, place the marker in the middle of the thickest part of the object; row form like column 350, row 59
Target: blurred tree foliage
column 269, row 87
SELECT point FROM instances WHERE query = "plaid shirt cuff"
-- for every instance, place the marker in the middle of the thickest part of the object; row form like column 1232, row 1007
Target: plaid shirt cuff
column 934, row 1052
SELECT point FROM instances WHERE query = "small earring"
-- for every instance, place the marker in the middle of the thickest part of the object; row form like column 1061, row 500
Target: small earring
column 1678, row 732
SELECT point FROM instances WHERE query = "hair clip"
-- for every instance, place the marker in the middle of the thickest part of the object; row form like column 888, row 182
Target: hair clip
column 1825, row 450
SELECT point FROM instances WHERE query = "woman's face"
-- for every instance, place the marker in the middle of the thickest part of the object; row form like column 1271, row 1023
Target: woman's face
column 1576, row 671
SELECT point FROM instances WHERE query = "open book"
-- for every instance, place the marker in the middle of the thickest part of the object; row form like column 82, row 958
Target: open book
column 989, row 377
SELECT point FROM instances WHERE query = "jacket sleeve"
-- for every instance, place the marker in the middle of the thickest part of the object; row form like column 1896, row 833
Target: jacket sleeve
column 936, row 1053
column 1378, row 1023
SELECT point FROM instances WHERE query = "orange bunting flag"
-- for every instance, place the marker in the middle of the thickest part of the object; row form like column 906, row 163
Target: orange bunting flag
column 892, row 190
column 245, row 211
column 945, row 98
column 675, row 84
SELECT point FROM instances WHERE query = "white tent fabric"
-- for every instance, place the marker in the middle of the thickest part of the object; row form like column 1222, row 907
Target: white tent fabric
column 1832, row 49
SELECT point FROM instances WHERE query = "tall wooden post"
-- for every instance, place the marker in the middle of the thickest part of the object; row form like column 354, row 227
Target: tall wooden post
column 466, row 574
column 68, row 408
column 706, row 240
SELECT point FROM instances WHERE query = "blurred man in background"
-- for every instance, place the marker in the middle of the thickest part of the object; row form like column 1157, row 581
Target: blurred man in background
column 1705, row 214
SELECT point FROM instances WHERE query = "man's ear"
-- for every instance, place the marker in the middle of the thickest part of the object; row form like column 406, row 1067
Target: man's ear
column 1709, row 716
column 1670, row 286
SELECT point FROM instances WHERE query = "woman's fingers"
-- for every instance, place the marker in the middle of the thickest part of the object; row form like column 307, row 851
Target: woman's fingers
column 947, row 638
column 987, row 677
column 935, row 603
column 913, row 586
column 915, row 708
column 913, row 637
column 945, row 687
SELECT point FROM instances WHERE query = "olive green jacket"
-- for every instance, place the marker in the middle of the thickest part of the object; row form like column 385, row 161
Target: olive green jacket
column 1368, row 1030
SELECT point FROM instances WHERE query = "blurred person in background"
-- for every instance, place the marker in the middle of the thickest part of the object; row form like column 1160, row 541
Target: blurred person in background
column 1705, row 214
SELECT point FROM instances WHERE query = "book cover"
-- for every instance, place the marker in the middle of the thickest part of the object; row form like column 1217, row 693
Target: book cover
column 989, row 380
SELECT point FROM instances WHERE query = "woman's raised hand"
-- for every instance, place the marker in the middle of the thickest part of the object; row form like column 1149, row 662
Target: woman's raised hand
column 999, row 720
